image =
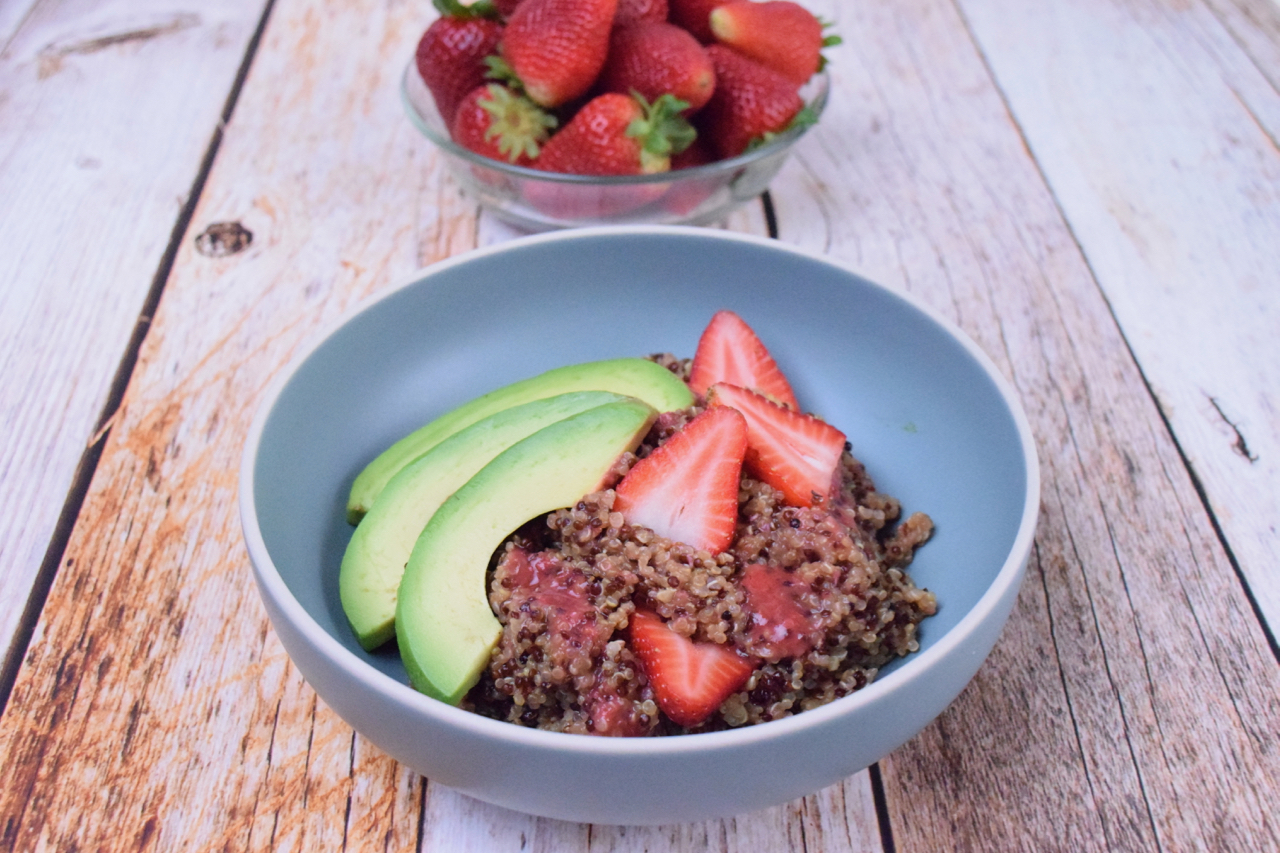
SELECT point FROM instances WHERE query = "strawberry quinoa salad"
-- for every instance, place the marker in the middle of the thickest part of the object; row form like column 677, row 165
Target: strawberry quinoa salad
column 740, row 566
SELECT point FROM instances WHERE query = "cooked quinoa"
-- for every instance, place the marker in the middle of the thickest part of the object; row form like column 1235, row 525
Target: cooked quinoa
column 565, row 585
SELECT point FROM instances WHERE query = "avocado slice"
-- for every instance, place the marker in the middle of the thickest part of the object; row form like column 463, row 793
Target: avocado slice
column 444, row 624
column 376, row 555
column 632, row 377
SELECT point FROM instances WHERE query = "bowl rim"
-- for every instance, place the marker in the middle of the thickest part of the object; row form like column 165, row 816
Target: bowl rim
column 377, row 682
column 815, row 93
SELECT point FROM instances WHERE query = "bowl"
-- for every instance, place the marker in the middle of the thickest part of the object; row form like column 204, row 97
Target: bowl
column 541, row 201
column 924, row 408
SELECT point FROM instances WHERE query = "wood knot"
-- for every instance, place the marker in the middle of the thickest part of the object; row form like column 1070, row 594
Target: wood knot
column 221, row 239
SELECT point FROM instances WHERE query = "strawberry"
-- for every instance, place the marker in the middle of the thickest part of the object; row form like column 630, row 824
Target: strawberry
column 751, row 103
column 505, row 7
column 697, row 154
column 687, row 489
column 615, row 134
column 684, row 196
column 730, row 351
column 495, row 121
column 778, row 33
column 636, row 11
column 556, row 48
column 656, row 59
column 794, row 452
column 694, row 16
column 690, row 680
column 451, row 53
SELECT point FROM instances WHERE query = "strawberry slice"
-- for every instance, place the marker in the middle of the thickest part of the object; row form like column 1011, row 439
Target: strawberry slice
column 690, row 680
column 687, row 489
column 730, row 351
column 794, row 452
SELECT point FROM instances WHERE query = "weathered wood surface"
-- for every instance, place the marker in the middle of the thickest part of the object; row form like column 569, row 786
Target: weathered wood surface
column 106, row 111
column 1133, row 702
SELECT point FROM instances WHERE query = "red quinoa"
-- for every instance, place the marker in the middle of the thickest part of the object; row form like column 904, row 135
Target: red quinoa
column 819, row 597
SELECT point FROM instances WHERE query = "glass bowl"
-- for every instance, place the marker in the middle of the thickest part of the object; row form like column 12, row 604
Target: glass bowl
column 541, row 201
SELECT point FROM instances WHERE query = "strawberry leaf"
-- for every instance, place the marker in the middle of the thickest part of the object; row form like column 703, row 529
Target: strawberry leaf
column 518, row 124
column 661, row 131
column 462, row 11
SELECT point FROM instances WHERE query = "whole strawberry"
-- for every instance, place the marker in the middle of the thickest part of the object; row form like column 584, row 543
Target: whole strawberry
column 778, row 33
column 694, row 16
column 556, row 48
column 635, row 11
column 615, row 134
column 451, row 53
column 655, row 59
column 751, row 103
column 496, row 122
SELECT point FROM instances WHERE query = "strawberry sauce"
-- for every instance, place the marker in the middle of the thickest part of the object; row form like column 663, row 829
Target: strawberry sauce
column 781, row 626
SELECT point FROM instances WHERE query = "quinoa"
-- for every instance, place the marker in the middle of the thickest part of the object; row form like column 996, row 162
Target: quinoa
column 565, row 585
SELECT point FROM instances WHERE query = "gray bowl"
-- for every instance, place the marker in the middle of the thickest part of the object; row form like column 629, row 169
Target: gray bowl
column 924, row 408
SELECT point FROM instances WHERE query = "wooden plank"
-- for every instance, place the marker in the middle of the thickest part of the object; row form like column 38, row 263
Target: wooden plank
column 158, row 554
column 1195, row 140
column 92, row 184
column 183, row 719
column 1131, row 702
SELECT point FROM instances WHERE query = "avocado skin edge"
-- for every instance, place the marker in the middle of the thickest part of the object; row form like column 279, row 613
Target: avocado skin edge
column 445, row 626
column 374, row 560
column 632, row 377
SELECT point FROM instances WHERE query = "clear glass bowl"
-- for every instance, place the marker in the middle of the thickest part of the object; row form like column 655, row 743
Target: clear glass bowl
column 542, row 201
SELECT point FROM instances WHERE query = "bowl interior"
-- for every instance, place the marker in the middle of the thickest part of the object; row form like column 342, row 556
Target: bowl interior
column 920, row 408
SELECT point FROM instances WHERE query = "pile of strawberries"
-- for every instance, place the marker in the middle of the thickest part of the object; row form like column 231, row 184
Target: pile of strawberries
column 619, row 87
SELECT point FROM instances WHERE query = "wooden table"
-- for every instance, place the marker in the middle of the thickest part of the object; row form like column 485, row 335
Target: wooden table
column 1090, row 188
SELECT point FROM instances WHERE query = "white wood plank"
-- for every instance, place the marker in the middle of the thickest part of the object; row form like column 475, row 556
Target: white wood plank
column 1123, row 707
column 838, row 819
column 1157, row 135
column 106, row 111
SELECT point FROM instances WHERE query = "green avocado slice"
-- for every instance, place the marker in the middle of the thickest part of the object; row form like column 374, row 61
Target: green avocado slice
column 444, row 624
column 376, row 555
column 631, row 377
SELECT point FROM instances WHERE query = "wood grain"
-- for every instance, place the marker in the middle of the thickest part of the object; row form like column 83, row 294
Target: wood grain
column 1198, row 311
column 1132, row 703
column 208, row 693
column 92, row 185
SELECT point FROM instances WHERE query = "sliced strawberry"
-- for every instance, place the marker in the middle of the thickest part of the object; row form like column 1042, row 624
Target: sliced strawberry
column 690, row 680
column 730, row 351
column 795, row 453
column 778, row 33
column 687, row 489
column 557, row 47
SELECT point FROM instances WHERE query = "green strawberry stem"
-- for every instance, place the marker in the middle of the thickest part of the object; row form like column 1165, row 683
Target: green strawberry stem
column 827, row 41
column 458, row 9
column 519, row 125
column 805, row 118
column 500, row 70
column 661, row 131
